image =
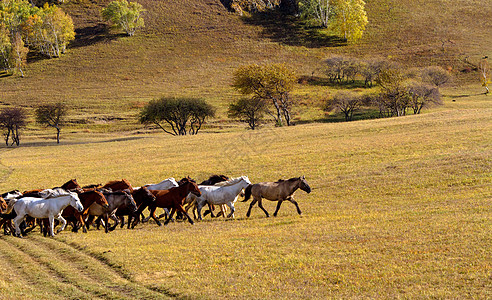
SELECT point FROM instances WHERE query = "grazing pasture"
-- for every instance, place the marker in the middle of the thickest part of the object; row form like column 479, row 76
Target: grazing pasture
column 399, row 207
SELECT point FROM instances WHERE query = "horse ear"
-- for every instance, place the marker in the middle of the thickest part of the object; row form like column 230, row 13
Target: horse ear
column 302, row 177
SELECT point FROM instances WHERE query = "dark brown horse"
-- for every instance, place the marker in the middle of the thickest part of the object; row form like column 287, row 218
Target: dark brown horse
column 119, row 185
column 213, row 179
column 276, row 191
column 143, row 198
column 174, row 199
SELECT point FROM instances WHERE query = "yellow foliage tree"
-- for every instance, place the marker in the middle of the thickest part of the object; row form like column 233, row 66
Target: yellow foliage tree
column 484, row 69
column 350, row 19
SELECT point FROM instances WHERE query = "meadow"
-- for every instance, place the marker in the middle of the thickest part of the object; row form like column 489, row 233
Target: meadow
column 400, row 208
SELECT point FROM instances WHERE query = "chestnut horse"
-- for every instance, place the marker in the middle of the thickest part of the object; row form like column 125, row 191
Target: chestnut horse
column 116, row 200
column 276, row 191
column 174, row 199
column 119, row 185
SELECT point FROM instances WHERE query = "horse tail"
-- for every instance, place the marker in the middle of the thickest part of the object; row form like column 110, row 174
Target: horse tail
column 247, row 193
column 10, row 207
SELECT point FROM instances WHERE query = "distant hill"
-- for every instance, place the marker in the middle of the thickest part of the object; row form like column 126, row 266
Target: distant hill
column 191, row 47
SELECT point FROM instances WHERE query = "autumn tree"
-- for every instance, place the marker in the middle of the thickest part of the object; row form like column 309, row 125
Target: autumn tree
column 435, row 75
column 320, row 10
column 346, row 102
column 12, row 120
column 271, row 83
column 52, row 115
column 422, row 95
column 484, row 69
column 177, row 116
column 49, row 31
column 124, row 15
column 350, row 19
column 249, row 111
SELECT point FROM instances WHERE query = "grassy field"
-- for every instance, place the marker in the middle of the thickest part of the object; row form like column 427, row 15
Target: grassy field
column 400, row 208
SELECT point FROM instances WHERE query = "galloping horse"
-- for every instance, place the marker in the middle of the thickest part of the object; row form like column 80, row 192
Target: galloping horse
column 143, row 198
column 116, row 199
column 43, row 208
column 118, row 185
column 226, row 193
column 174, row 199
column 276, row 191
column 87, row 197
column 213, row 179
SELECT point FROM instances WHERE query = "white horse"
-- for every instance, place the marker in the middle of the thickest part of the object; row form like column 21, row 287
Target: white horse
column 41, row 208
column 166, row 184
column 223, row 193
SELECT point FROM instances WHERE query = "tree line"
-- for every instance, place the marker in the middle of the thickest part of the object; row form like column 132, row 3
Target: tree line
column 43, row 28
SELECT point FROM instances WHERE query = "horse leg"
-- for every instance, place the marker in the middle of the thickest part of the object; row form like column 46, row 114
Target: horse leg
column 278, row 207
column 116, row 220
column 264, row 210
column 52, row 226
column 295, row 203
column 17, row 221
column 173, row 210
column 152, row 214
column 251, row 206
column 231, row 206
column 223, row 210
column 199, row 206
column 63, row 221
column 181, row 209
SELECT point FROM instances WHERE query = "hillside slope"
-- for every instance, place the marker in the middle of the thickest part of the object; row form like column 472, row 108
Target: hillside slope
column 191, row 47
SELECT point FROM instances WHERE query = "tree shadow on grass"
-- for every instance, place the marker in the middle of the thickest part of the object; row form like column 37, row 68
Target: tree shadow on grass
column 91, row 35
column 290, row 30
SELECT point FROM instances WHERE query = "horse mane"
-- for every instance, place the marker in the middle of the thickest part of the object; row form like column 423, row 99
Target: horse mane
column 213, row 179
column 229, row 182
column 290, row 180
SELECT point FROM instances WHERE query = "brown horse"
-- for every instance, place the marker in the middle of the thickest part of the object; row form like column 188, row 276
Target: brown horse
column 174, row 199
column 70, row 185
column 276, row 191
column 87, row 197
column 143, row 198
column 119, row 185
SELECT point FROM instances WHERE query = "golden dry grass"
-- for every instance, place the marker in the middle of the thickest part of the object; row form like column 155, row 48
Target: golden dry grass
column 400, row 208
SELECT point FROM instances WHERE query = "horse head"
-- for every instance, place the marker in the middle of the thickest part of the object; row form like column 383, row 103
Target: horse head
column 193, row 188
column 130, row 201
column 75, row 201
column 100, row 199
column 71, row 184
column 144, row 195
column 303, row 185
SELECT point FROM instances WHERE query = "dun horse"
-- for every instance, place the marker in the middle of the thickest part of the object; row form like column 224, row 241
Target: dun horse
column 276, row 191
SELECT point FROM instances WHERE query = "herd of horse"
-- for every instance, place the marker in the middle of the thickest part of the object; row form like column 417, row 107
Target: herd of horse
column 21, row 212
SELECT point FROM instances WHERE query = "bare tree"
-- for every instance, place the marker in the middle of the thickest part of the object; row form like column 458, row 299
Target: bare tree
column 422, row 95
column 52, row 115
column 346, row 102
column 435, row 75
column 12, row 120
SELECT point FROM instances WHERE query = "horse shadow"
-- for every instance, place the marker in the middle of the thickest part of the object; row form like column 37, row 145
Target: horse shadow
column 290, row 30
